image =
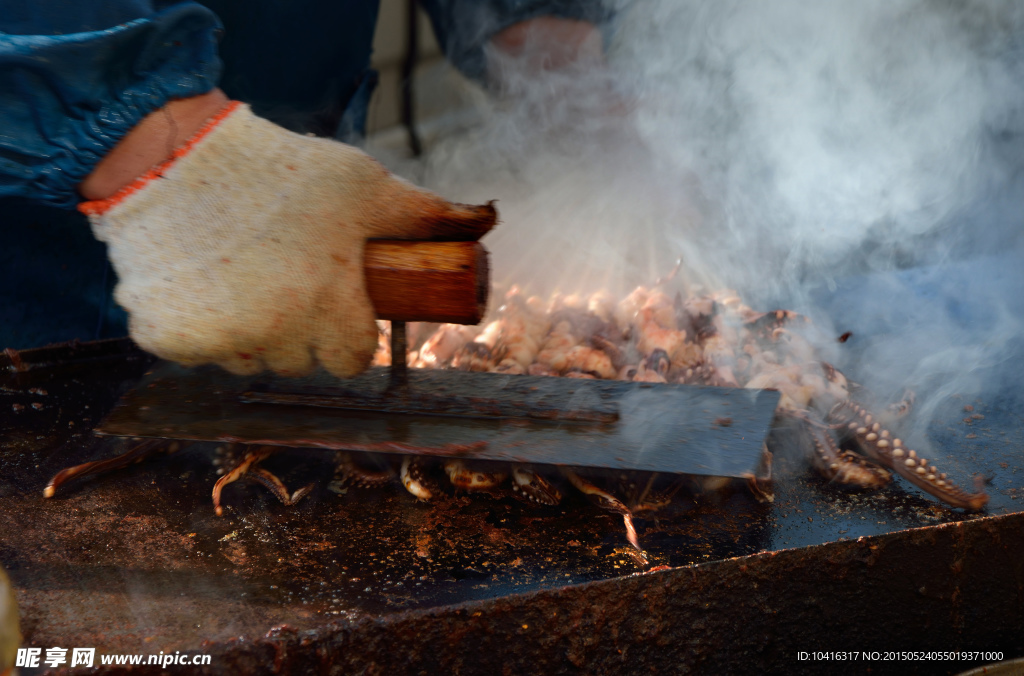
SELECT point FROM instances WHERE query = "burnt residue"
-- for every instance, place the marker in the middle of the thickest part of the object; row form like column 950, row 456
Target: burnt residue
column 952, row 586
column 956, row 586
column 373, row 581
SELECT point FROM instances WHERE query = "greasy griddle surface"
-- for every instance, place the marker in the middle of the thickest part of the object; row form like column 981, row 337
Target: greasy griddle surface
column 136, row 561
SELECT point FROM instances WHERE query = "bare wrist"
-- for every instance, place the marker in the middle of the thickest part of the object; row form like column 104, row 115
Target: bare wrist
column 150, row 142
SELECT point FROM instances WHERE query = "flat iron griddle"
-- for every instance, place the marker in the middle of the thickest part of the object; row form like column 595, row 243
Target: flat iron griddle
column 135, row 561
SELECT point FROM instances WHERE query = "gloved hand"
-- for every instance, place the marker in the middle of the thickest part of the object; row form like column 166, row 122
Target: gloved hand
column 247, row 249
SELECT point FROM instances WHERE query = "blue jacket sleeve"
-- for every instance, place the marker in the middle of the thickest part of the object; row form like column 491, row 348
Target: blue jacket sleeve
column 464, row 27
column 76, row 75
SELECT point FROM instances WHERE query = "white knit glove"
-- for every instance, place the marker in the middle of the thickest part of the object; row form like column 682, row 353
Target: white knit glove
column 247, row 249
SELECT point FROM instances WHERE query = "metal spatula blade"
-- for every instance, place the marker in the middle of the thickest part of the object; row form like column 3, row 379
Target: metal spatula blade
column 542, row 420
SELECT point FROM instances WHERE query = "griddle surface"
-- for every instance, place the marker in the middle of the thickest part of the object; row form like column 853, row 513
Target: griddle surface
column 136, row 561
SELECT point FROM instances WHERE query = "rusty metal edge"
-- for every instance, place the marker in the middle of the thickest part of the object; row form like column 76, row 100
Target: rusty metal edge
column 956, row 586
column 47, row 356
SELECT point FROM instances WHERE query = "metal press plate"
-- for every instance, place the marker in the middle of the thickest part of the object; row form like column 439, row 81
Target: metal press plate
column 584, row 423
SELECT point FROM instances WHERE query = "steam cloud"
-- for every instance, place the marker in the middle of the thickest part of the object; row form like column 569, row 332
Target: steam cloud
column 781, row 149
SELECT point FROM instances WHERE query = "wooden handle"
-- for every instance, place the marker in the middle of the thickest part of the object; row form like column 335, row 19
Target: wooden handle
column 416, row 281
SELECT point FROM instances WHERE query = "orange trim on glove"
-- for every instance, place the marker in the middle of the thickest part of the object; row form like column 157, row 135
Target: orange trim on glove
column 98, row 207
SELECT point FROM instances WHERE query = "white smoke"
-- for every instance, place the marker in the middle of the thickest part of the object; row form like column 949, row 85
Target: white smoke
column 768, row 143
column 779, row 148
column 822, row 128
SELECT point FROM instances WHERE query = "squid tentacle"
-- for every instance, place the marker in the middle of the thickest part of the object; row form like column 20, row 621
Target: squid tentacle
column 607, row 501
column 270, row 481
column 248, row 467
column 140, row 451
column 841, row 466
column 880, row 445
column 467, row 478
column 414, row 478
column 352, row 473
column 533, row 487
